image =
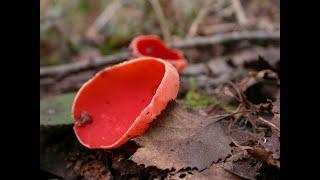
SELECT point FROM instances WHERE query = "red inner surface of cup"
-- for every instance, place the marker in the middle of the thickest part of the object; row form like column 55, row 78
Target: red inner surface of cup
column 115, row 98
column 154, row 48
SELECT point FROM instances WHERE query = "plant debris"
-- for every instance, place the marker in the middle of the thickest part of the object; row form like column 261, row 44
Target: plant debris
column 179, row 144
column 215, row 172
column 84, row 119
column 180, row 139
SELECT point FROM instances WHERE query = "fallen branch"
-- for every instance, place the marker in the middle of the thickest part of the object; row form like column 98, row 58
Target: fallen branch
column 63, row 70
column 226, row 37
column 73, row 81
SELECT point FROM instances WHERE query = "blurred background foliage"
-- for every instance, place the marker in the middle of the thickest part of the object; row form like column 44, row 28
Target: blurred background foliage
column 64, row 24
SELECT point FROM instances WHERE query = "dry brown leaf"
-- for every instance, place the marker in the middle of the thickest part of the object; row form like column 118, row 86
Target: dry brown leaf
column 276, row 111
column 244, row 137
column 272, row 143
column 242, row 168
column 265, row 156
column 276, row 105
column 259, row 65
column 179, row 139
column 215, row 172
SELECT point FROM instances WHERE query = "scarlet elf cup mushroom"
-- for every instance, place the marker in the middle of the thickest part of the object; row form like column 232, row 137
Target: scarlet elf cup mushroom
column 119, row 102
column 153, row 46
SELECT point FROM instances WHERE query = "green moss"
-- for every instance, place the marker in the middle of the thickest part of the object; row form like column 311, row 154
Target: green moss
column 56, row 110
column 194, row 99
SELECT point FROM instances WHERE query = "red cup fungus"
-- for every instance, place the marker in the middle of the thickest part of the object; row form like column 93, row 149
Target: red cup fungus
column 120, row 102
column 153, row 46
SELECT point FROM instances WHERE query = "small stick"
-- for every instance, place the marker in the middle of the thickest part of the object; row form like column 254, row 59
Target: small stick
column 241, row 17
column 82, row 65
column 269, row 123
column 84, row 119
column 224, row 116
column 186, row 43
column 226, row 37
column 240, row 94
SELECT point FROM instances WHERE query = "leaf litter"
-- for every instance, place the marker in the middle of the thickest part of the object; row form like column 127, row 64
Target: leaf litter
column 208, row 143
column 180, row 139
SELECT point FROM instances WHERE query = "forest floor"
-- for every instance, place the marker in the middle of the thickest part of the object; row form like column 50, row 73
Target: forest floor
column 229, row 96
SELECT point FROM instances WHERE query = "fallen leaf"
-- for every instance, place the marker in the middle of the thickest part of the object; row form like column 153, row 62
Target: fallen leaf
column 245, row 168
column 180, row 139
column 259, row 65
column 276, row 112
column 259, row 87
column 243, row 137
column 270, row 54
column 215, row 172
column 265, row 156
column 272, row 143
column 56, row 110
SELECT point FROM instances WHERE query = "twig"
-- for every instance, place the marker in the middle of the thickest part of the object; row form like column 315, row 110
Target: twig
column 161, row 18
column 226, row 37
column 226, row 91
column 103, row 18
column 202, row 14
column 74, row 81
column 224, row 116
column 269, row 123
column 240, row 94
column 243, row 103
column 62, row 70
column 241, row 17
column 187, row 43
